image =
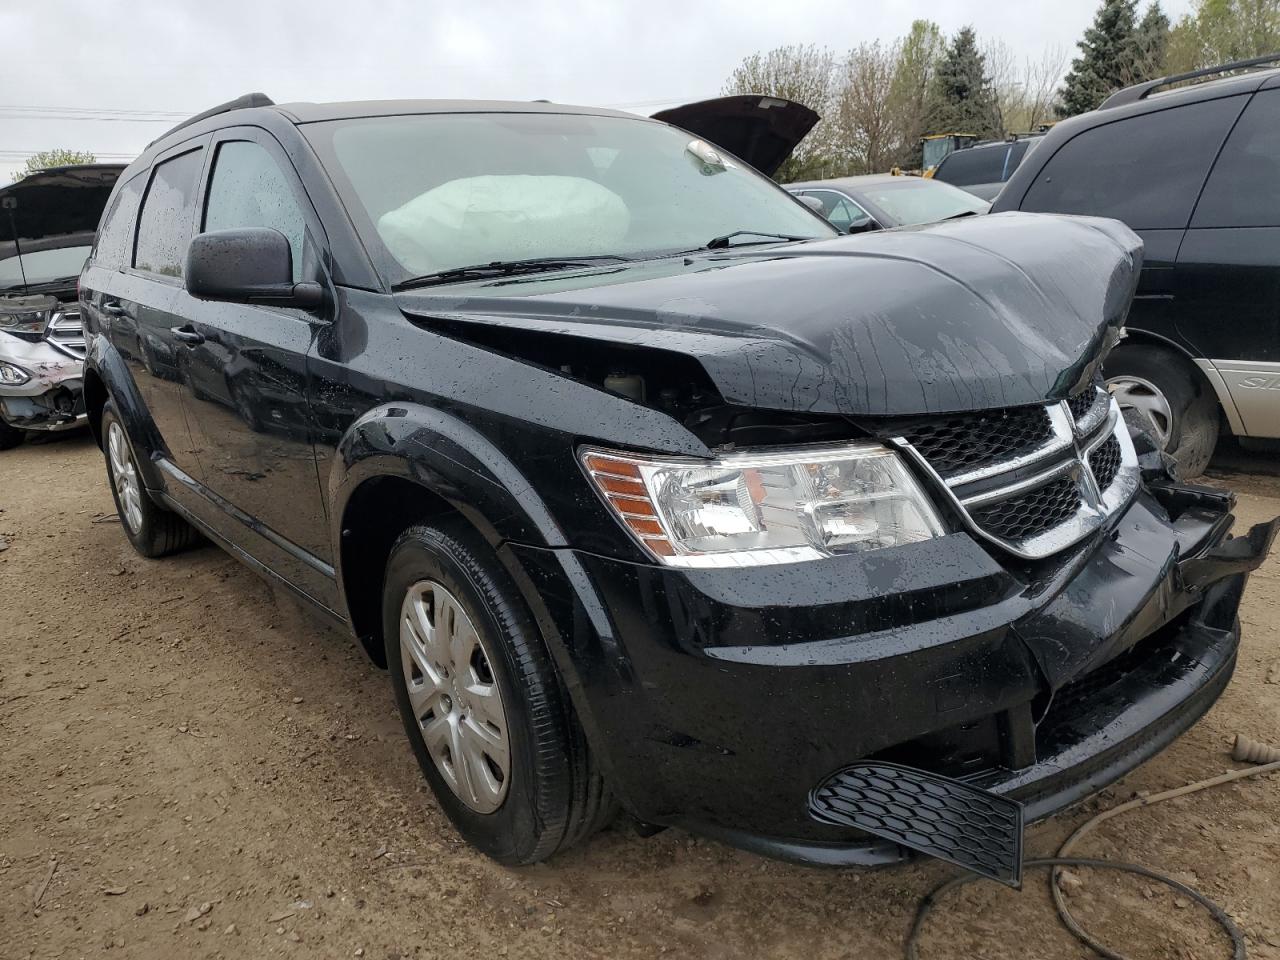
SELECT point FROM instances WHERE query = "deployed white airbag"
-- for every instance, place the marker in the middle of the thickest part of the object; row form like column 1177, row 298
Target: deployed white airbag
column 481, row 219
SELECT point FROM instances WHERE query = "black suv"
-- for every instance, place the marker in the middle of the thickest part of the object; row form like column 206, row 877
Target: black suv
column 1195, row 170
column 650, row 489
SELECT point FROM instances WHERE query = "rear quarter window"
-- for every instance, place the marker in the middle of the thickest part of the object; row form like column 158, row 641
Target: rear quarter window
column 112, row 246
column 1244, row 188
column 1146, row 170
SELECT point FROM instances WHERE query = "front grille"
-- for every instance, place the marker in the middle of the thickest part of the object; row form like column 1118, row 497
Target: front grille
column 66, row 332
column 1033, row 479
column 1105, row 462
column 1025, row 516
column 963, row 442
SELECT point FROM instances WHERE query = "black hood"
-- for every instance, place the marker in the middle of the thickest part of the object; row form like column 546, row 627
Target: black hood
column 971, row 314
column 762, row 131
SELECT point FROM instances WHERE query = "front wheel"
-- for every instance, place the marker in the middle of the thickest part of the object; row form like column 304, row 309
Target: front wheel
column 1156, row 385
column 152, row 530
column 481, row 701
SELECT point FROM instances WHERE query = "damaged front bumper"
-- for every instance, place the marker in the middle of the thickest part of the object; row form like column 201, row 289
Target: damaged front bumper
column 1039, row 684
column 51, row 397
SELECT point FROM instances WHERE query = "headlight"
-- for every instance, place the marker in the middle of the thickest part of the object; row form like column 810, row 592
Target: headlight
column 766, row 507
column 29, row 321
column 12, row 374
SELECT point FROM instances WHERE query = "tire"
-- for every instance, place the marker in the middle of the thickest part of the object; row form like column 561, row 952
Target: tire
column 1158, row 384
column 549, row 796
column 150, row 528
column 10, row 436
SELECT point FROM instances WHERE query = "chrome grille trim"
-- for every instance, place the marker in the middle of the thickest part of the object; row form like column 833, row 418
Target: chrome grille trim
column 1066, row 454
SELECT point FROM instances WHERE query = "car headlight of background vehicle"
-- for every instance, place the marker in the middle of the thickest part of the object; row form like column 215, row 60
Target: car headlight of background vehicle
column 764, row 507
column 12, row 375
column 24, row 321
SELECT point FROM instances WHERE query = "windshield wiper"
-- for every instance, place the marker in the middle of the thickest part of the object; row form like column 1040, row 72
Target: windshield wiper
column 719, row 243
column 505, row 268
column 962, row 213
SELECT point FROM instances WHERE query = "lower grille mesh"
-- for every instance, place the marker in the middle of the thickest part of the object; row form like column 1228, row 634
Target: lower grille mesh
column 1031, row 513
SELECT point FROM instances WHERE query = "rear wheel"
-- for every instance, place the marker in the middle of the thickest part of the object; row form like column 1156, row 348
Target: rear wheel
column 10, row 436
column 481, row 701
column 152, row 530
column 1156, row 385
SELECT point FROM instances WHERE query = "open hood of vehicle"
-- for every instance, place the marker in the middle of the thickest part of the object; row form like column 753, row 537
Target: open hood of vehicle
column 762, row 131
column 971, row 314
column 60, row 201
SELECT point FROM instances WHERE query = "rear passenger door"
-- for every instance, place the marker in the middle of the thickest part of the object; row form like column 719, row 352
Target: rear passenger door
column 1229, row 267
column 1146, row 170
column 140, row 302
column 247, row 381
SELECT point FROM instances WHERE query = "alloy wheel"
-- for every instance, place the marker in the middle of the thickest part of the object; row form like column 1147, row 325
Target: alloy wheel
column 1135, row 393
column 125, row 478
column 454, row 695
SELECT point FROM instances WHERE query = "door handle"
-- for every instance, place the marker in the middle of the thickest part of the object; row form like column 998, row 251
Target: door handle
column 113, row 308
column 187, row 334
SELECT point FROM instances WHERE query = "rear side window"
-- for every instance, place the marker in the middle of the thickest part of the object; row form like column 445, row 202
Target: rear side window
column 248, row 189
column 840, row 210
column 975, row 165
column 1145, row 170
column 1244, row 188
column 111, row 248
column 164, row 226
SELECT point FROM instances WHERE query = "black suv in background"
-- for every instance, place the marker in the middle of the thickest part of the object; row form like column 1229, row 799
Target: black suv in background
column 650, row 489
column 984, row 168
column 1195, row 170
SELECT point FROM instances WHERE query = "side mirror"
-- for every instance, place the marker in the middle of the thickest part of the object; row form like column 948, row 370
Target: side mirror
column 863, row 226
column 251, row 265
column 813, row 203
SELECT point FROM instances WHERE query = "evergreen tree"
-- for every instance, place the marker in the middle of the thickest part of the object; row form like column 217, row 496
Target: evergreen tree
column 1106, row 61
column 962, row 99
column 1151, row 44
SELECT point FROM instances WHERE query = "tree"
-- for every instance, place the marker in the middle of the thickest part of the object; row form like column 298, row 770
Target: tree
column 869, row 124
column 57, row 157
column 1220, row 31
column 805, row 74
column 1025, row 93
column 962, row 99
column 1106, row 58
column 1151, row 44
column 918, row 56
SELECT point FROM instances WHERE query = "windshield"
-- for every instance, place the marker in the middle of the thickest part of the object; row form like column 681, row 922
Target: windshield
column 450, row 190
column 912, row 200
column 42, row 266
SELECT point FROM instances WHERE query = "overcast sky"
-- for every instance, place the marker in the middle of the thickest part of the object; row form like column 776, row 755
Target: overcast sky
column 177, row 55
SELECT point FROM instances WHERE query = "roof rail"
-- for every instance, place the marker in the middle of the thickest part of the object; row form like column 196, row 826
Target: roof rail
column 239, row 103
column 1140, row 91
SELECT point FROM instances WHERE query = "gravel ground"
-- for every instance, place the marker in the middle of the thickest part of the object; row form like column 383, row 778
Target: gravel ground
column 191, row 766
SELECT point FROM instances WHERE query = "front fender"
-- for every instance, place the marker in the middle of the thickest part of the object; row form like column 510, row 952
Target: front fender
column 448, row 457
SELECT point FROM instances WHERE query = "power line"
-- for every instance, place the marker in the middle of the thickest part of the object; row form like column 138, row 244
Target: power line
column 98, row 110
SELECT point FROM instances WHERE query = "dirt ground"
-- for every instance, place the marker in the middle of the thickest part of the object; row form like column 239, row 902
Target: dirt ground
column 191, row 766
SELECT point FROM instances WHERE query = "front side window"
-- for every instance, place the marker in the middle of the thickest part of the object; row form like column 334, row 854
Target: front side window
column 164, row 225
column 248, row 189
column 1244, row 188
column 1146, row 170
column 111, row 249
column 840, row 210
column 451, row 190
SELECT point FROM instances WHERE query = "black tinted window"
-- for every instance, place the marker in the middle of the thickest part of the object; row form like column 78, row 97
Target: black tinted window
column 248, row 189
column 1244, row 189
column 975, row 165
column 164, row 226
column 115, row 237
column 1145, row 170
